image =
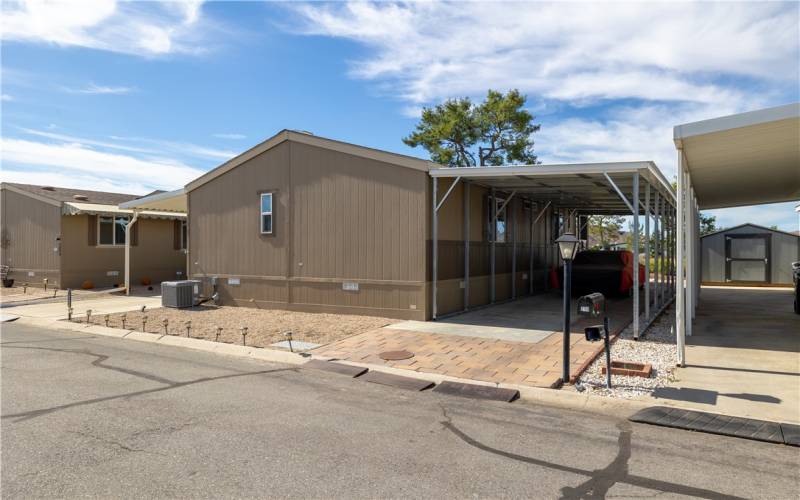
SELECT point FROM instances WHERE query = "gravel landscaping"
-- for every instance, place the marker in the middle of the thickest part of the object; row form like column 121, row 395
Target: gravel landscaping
column 655, row 346
column 264, row 326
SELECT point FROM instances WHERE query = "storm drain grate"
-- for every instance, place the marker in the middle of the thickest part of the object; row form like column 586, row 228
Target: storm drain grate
column 746, row 428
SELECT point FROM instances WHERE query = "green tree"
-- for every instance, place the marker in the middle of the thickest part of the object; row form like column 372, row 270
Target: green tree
column 708, row 224
column 605, row 229
column 459, row 133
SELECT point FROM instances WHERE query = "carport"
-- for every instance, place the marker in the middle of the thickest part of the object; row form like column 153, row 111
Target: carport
column 746, row 338
column 171, row 202
column 573, row 191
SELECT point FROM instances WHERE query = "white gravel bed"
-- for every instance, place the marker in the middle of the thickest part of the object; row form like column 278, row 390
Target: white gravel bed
column 655, row 346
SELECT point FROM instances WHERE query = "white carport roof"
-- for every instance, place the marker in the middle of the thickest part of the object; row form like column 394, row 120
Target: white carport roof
column 580, row 186
column 172, row 201
column 74, row 208
column 744, row 159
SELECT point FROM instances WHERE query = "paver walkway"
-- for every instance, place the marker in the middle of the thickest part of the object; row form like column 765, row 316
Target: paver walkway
column 491, row 360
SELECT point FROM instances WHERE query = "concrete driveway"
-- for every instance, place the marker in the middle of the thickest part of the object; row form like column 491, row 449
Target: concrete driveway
column 743, row 357
column 101, row 304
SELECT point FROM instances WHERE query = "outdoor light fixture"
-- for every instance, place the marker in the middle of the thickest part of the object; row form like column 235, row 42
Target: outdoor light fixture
column 567, row 247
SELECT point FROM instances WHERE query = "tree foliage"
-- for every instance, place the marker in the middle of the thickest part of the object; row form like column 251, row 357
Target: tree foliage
column 459, row 133
column 708, row 224
column 605, row 230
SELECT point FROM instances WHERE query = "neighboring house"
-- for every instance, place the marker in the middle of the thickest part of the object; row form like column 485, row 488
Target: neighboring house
column 307, row 223
column 73, row 236
column 749, row 254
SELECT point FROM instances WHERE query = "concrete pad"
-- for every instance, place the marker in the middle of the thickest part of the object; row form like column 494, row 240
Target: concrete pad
column 99, row 306
column 297, row 345
column 743, row 357
column 464, row 330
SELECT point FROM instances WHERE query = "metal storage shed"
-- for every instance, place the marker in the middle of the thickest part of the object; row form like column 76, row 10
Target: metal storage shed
column 748, row 254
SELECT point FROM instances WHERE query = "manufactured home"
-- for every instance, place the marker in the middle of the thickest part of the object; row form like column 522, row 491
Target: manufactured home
column 307, row 223
column 76, row 238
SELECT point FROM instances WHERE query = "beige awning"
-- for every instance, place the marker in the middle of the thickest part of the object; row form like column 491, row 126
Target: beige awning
column 170, row 202
column 72, row 208
column 745, row 159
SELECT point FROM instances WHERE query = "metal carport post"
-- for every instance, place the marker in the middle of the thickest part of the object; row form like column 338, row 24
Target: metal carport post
column 435, row 236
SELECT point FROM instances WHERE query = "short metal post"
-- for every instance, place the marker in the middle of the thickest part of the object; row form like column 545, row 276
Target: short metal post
column 511, row 221
column 69, row 298
column 608, row 351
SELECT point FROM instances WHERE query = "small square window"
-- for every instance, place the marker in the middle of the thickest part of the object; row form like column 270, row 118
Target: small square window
column 266, row 213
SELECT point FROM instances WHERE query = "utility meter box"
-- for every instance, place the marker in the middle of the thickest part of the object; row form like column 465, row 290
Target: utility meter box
column 184, row 293
column 592, row 305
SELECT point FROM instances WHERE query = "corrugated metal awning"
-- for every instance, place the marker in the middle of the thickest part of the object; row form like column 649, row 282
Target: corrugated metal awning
column 172, row 201
column 583, row 186
column 72, row 208
column 745, row 159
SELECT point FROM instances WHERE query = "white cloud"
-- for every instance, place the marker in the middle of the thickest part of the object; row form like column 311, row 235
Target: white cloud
column 6, row 97
column 137, row 28
column 567, row 51
column 230, row 136
column 100, row 89
column 74, row 159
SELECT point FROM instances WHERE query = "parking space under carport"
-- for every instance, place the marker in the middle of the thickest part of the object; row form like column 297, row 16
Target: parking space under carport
column 743, row 357
column 738, row 347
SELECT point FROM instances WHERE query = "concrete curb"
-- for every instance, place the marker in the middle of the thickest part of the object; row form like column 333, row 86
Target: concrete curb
column 172, row 340
column 622, row 408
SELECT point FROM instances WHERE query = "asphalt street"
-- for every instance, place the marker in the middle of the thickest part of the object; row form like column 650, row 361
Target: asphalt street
column 90, row 416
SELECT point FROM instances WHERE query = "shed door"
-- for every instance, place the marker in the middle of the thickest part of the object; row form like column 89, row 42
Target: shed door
column 747, row 257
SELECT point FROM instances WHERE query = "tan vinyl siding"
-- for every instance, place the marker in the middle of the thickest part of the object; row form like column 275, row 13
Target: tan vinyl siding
column 450, row 295
column 29, row 233
column 153, row 257
column 337, row 217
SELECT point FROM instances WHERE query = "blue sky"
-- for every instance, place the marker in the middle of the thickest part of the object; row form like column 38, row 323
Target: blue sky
column 148, row 95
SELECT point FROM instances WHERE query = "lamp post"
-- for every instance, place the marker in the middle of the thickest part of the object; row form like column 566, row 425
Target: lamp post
column 567, row 247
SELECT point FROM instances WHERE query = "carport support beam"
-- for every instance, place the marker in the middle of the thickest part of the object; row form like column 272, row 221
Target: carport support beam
column 647, row 251
column 128, row 233
column 466, row 245
column 493, row 211
column 680, row 323
column 512, row 222
column 434, row 245
column 689, row 260
column 635, row 262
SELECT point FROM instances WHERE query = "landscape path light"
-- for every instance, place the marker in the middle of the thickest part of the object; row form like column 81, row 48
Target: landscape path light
column 244, row 335
column 567, row 248
column 188, row 327
column 165, row 322
column 123, row 318
column 219, row 332
column 106, row 318
column 89, row 316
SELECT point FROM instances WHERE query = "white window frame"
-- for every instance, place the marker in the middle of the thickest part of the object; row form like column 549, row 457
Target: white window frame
column 184, row 234
column 270, row 213
column 113, row 232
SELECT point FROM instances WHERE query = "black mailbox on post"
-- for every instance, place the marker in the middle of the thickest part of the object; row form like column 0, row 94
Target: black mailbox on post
column 592, row 305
